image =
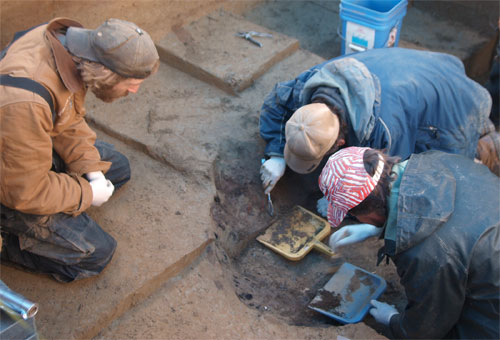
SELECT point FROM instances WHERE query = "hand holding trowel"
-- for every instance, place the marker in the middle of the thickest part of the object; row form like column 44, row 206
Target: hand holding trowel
column 270, row 172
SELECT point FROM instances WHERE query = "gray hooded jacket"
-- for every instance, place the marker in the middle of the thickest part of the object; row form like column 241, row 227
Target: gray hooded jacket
column 445, row 242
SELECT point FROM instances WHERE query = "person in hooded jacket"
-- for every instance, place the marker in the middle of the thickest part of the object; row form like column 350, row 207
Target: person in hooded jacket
column 438, row 214
column 402, row 100
column 52, row 167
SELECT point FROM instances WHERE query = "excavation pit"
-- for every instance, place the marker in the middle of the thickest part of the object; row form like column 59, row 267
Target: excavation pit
column 263, row 279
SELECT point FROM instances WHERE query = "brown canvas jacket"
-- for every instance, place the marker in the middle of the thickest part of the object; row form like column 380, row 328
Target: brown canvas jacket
column 28, row 135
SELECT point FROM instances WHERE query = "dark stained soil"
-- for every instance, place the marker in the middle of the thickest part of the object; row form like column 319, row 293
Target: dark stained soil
column 265, row 280
column 326, row 300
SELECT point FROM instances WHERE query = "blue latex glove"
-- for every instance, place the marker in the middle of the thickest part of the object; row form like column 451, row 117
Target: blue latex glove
column 382, row 312
column 353, row 234
column 322, row 206
column 271, row 171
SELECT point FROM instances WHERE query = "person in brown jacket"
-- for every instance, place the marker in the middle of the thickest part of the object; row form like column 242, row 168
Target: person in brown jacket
column 52, row 168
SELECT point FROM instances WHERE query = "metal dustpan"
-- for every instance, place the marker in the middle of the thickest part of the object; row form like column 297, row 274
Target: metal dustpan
column 346, row 296
column 296, row 234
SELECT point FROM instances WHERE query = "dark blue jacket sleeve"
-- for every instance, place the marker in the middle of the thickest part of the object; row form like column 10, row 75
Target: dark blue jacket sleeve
column 278, row 107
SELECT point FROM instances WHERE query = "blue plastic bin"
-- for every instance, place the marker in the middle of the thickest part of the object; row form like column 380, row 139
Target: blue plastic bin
column 368, row 24
column 353, row 288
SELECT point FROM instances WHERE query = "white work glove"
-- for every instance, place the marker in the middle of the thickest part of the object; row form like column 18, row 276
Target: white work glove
column 271, row 171
column 322, row 206
column 102, row 189
column 382, row 312
column 353, row 233
column 94, row 175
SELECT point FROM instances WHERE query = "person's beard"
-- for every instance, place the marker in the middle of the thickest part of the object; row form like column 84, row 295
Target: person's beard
column 108, row 94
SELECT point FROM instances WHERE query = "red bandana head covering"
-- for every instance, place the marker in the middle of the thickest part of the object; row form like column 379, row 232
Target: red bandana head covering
column 345, row 182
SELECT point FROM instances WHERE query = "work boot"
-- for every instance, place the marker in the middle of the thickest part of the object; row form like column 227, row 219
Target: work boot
column 488, row 151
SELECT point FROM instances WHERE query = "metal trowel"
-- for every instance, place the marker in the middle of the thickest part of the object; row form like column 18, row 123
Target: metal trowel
column 270, row 208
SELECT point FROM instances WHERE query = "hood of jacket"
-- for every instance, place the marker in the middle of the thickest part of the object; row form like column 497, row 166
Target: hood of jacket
column 359, row 90
column 39, row 55
column 65, row 65
column 426, row 199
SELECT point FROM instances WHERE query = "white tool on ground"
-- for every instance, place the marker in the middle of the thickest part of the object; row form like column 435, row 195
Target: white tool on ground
column 250, row 34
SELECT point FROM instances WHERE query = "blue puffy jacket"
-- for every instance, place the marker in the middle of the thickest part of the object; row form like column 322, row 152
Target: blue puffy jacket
column 402, row 100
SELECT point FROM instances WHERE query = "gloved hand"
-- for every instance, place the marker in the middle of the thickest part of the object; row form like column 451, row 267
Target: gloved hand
column 322, row 206
column 353, row 234
column 93, row 175
column 382, row 312
column 271, row 171
column 102, row 189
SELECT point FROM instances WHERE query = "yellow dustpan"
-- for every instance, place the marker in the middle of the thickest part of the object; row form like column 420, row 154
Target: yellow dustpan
column 296, row 233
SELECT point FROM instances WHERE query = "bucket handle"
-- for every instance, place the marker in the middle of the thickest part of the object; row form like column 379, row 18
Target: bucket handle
column 338, row 31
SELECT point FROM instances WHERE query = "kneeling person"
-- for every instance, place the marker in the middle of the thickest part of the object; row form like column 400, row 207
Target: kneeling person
column 52, row 167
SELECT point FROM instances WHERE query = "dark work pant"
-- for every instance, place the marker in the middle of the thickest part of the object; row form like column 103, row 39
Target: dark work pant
column 69, row 248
